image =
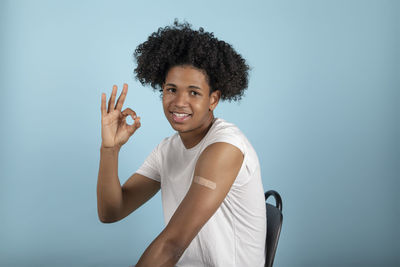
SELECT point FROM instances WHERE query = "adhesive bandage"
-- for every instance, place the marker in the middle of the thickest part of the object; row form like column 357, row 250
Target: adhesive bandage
column 205, row 182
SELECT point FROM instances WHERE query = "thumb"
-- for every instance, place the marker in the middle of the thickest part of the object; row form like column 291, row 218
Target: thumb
column 136, row 125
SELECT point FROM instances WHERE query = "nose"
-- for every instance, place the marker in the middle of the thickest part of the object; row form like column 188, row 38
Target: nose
column 181, row 99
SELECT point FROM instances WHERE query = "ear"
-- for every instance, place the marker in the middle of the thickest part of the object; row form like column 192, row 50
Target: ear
column 214, row 99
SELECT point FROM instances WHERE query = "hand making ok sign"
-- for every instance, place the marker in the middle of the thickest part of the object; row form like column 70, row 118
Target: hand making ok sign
column 114, row 130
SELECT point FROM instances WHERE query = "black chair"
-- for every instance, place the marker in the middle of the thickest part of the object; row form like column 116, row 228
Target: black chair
column 274, row 225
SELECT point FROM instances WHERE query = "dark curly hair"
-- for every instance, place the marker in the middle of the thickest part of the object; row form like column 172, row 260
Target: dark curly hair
column 179, row 45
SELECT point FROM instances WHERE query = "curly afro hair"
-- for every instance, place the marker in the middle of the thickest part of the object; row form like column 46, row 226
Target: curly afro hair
column 179, row 45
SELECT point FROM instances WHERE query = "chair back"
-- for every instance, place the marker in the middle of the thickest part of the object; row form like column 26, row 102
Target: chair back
column 274, row 225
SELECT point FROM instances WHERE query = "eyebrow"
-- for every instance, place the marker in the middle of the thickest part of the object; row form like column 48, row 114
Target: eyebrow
column 190, row 86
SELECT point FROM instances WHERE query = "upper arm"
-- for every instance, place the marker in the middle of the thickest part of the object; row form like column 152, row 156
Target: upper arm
column 219, row 163
column 135, row 192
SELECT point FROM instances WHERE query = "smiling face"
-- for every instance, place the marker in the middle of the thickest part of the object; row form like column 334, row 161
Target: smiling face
column 187, row 104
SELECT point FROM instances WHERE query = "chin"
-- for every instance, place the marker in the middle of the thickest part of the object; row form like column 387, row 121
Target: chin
column 179, row 128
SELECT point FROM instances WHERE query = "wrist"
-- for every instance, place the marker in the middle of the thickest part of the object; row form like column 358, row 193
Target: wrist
column 111, row 148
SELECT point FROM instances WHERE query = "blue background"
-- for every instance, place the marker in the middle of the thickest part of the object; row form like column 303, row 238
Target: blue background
column 322, row 111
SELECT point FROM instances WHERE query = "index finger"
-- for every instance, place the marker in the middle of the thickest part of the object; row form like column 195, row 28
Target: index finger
column 103, row 104
column 121, row 98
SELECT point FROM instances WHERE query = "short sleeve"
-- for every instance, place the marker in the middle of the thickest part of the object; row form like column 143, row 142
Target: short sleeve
column 150, row 167
column 248, row 166
column 226, row 139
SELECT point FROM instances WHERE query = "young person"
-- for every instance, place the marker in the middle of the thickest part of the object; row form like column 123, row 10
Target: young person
column 208, row 172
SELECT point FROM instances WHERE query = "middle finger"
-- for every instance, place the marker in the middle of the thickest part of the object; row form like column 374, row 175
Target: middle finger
column 112, row 99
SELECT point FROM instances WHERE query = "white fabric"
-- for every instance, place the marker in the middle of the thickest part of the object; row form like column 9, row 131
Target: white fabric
column 235, row 235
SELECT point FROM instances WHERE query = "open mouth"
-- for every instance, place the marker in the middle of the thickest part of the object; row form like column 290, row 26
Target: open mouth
column 180, row 117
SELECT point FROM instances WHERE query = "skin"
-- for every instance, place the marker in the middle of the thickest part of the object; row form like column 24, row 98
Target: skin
column 179, row 96
column 219, row 162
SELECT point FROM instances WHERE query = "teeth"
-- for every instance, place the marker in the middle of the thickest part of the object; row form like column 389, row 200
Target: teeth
column 181, row 115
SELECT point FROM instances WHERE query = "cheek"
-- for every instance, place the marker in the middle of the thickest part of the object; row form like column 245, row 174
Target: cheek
column 165, row 101
column 167, row 98
column 200, row 106
column 165, row 106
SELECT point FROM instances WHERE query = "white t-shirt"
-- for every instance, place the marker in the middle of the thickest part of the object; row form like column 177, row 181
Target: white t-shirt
column 235, row 234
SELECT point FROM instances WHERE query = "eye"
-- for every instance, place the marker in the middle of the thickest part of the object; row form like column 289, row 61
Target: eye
column 168, row 89
column 195, row 93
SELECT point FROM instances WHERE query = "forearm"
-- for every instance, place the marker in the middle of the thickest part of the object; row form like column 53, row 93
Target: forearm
column 109, row 191
column 160, row 253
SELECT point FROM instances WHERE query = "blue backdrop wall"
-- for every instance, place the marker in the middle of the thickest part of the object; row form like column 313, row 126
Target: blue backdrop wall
column 321, row 110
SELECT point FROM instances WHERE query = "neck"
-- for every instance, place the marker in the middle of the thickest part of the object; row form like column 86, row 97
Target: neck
column 192, row 138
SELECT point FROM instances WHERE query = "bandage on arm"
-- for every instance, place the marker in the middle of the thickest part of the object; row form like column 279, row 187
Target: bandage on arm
column 215, row 171
column 205, row 182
